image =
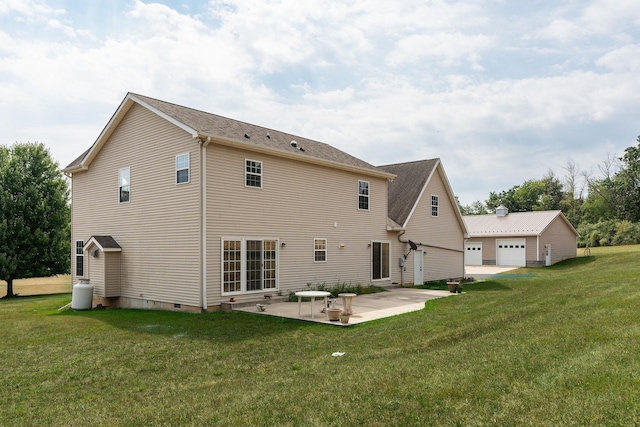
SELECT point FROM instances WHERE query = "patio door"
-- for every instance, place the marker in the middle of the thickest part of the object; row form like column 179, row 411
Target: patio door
column 249, row 265
column 260, row 256
column 418, row 267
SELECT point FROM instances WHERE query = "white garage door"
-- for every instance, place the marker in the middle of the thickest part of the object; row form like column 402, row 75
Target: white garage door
column 473, row 253
column 511, row 252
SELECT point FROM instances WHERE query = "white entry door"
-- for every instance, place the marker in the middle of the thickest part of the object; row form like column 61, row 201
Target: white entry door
column 473, row 253
column 547, row 255
column 511, row 252
column 418, row 267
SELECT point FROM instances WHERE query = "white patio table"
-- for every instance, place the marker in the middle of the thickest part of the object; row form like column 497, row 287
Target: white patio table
column 313, row 295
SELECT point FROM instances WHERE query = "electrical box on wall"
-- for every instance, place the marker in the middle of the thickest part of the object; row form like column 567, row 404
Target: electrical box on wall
column 401, row 262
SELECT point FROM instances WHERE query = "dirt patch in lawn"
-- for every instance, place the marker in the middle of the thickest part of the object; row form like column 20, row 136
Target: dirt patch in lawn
column 39, row 286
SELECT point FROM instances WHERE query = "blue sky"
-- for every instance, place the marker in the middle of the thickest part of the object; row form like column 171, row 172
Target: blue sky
column 501, row 91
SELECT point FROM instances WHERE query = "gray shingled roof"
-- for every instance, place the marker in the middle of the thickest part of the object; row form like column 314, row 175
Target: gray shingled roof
column 513, row 224
column 208, row 124
column 405, row 189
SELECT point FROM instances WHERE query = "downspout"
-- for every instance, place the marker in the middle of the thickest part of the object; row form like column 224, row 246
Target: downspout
column 203, row 221
column 403, row 260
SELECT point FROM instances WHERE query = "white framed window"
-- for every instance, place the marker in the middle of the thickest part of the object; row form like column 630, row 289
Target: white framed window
column 249, row 265
column 435, row 204
column 380, row 260
column 253, row 173
column 232, row 266
column 124, row 184
column 320, row 250
column 182, row 168
column 79, row 258
column 363, row 195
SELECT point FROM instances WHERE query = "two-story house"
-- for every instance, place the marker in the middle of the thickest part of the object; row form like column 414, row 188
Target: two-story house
column 176, row 208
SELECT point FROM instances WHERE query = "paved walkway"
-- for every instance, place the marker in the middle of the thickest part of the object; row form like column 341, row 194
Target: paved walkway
column 365, row 307
column 484, row 271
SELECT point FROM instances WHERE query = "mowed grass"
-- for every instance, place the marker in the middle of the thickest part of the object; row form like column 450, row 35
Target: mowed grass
column 559, row 348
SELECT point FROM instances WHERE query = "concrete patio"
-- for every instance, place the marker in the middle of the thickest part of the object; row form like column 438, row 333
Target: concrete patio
column 365, row 307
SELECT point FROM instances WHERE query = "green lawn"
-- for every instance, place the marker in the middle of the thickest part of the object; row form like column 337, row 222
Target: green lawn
column 558, row 349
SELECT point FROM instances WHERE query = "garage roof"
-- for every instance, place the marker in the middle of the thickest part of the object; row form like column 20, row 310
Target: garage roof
column 513, row 224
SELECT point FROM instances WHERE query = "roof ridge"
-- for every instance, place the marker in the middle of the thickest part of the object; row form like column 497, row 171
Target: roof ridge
column 235, row 120
column 410, row 162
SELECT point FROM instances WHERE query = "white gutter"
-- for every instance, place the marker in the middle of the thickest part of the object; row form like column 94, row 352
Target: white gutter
column 234, row 143
column 203, row 221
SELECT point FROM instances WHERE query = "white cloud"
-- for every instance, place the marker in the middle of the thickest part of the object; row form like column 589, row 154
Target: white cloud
column 28, row 8
column 450, row 48
column 624, row 59
column 373, row 78
column 597, row 18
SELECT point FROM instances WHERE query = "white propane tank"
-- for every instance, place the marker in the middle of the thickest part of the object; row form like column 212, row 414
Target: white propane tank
column 82, row 295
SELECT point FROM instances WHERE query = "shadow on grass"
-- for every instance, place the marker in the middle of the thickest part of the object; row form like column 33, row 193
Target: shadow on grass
column 219, row 327
column 489, row 285
column 573, row 263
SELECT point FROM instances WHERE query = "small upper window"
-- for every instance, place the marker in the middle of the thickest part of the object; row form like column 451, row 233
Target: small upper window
column 363, row 195
column 434, row 205
column 320, row 250
column 182, row 168
column 253, row 173
column 124, row 184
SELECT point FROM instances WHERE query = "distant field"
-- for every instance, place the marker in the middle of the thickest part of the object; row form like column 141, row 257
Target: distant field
column 39, row 286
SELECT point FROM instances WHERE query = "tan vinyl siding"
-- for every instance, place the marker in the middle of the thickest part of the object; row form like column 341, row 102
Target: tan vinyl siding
column 442, row 231
column 562, row 240
column 158, row 229
column 531, row 249
column 442, row 264
column 96, row 274
column 297, row 203
column 112, row 274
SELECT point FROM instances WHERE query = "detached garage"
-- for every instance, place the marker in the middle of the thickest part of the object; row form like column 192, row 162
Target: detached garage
column 522, row 239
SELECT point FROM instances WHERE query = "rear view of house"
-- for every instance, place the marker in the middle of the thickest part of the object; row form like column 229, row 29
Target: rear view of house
column 531, row 239
column 176, row 208
column 424, row 210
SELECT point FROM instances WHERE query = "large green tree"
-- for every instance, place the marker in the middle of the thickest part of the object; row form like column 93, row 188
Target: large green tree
column 34, row 215
column 617, row 195
column 627, row 184
column 532, row 195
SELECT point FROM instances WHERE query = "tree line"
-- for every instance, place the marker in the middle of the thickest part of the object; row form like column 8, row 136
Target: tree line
column 604, row 208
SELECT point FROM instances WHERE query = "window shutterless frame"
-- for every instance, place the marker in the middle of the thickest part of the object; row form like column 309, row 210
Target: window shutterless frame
column 182, row 168
column 363, row 195
column 319, row 250
column 124, row 185
column 435, row 205
column 79, row 258
column 253, row 173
